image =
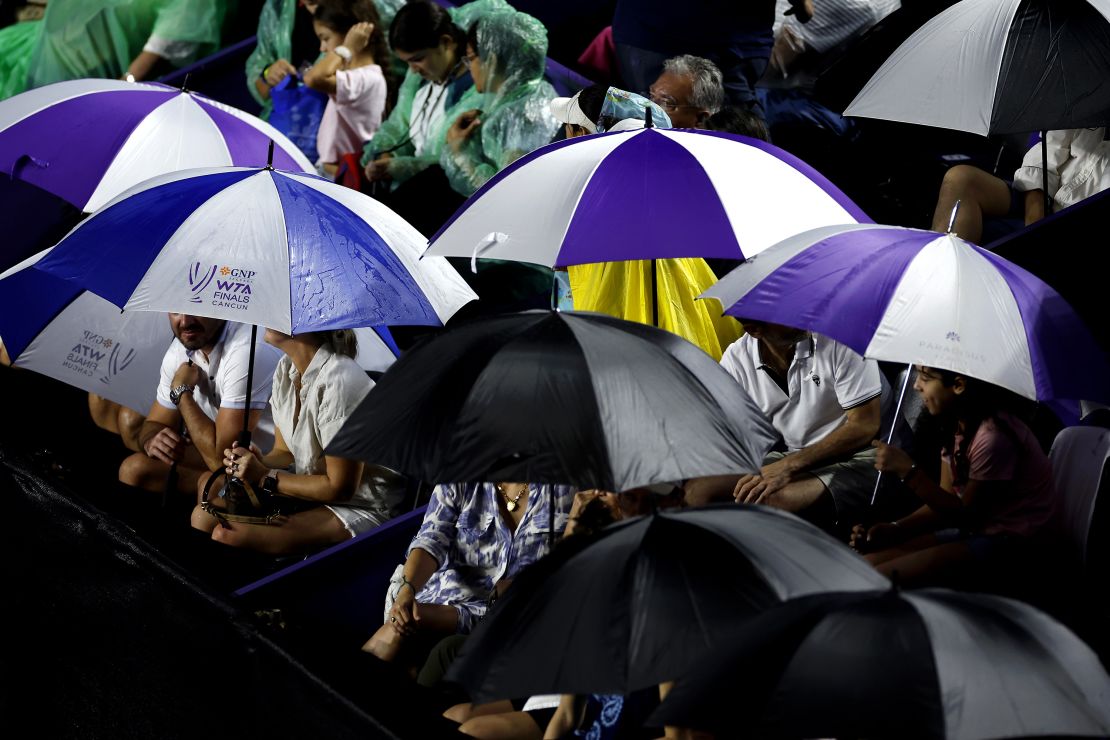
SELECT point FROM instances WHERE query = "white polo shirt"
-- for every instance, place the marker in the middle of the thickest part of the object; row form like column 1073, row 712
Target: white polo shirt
column 824, row 379
column 223, row 377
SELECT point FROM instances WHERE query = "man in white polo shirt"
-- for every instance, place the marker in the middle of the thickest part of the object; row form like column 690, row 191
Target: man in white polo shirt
column 825, row 401
column 203, row 386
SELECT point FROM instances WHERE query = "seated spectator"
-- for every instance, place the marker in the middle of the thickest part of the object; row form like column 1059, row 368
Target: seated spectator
column 735, row 36
column 1078, row 167
column 317, row 385
column 139, row 39
column 287, row 42
column 623, row 289
column 824, row 400
column 350, row 74
column 506, row 51
column 115, row 418
column 402, row 160
column 203, row 387
column 995, row 489
column 474, row 540
column 690, row 89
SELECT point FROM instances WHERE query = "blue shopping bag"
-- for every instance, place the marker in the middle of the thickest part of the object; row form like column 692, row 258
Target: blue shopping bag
column 297, row 112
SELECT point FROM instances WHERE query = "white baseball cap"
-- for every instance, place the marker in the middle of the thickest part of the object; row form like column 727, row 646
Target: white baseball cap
column 567, row 110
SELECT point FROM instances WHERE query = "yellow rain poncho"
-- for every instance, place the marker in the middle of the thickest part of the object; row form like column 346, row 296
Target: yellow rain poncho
column 623, row 290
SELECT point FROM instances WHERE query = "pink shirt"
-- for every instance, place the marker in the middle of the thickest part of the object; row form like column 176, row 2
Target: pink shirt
column 1016, row 457
column 353, row 114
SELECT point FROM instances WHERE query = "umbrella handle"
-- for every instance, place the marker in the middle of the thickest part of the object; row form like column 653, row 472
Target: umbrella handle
column 893, row 425
column 1044, row 173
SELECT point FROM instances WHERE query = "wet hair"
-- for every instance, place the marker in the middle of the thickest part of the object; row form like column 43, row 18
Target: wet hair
column 708, row 88
column 420, row 24
column 342, row 341
column 733, row 120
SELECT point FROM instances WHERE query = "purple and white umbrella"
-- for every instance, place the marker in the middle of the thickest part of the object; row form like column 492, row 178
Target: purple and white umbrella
column 87, row 141
column 284, row 250
column 644, row 194
column 913, row 296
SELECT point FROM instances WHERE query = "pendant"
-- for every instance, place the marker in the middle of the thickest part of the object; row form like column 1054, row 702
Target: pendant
column 511, row 505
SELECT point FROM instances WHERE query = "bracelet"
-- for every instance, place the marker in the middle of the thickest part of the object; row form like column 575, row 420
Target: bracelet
column 344, row 53
column 406, row 582
column 910, row 473
column 262, row 74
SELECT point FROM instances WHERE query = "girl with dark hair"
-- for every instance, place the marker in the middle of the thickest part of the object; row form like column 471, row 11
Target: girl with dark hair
column 352, row 45
column 995, row 488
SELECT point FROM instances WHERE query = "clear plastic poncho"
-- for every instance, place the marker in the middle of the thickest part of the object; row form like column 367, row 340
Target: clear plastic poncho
column 100, row 38
column 623, row 289
column 275, row 39
column 394, row 135
column 515, row 117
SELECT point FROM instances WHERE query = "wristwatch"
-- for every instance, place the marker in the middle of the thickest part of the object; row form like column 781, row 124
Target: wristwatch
column 178, row 392
column 270, row 482
column 344, row 53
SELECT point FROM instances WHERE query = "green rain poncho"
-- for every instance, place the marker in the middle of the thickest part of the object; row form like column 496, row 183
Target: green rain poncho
column 394, row 134
column 515, row 118
column 16, row 43
column 100, row 38
column 275, row 39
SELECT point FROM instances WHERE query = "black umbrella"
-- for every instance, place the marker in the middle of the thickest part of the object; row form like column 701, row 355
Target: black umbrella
column 928, row 664
column 637, row 605
column 999, row 67
column 571, row 398
column 1039, row 246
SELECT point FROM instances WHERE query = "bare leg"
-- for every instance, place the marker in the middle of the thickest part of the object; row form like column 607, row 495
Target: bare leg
column 980, row 194
column 129, row 422
column 462, row 712
column 711, row 489
column 917, row 544
column 926, row 566
column 385, row 643
column 144, row 472
column 296, row 533
column 506, row 726
column 104, row 413
column 796, row 495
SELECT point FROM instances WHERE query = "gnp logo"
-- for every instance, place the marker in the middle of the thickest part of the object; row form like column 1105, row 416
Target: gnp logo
column 117, row 363
column 199, row 279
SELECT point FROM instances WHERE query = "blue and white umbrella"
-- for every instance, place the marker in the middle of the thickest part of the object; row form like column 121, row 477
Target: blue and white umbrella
column 913, row 296
column 644, row 194
column 284, row 250
column 55, row 328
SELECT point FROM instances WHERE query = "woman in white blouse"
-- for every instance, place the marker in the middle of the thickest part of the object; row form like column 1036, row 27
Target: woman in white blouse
column 317, row 385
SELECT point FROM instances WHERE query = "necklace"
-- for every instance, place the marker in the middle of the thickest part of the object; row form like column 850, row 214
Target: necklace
column 512, row 503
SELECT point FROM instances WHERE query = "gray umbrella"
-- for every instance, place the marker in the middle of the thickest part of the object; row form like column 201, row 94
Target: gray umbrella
column 931, row 663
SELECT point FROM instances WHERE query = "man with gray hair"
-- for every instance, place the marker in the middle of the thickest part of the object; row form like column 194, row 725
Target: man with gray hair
column 690, row 89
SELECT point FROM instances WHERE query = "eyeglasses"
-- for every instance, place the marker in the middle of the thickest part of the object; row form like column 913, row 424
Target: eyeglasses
column 470, row 58
column 666, row 102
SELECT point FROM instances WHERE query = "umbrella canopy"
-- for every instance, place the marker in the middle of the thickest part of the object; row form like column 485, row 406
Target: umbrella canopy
column 639, row 604
column 914, row 296
column 577, row 399
column 999, row 66
column 89, row 140
column 643, row 194
column 928, row 664
column 284, row 250
column 51, row 326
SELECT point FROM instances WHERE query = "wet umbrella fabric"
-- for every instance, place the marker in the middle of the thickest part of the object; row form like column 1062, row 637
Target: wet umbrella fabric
column 637, row 605
column 998, row 67
column 645, row 194
column 89, row 140
column 283, row 250
column 52, row 327
column 913, row 296
column 545, row 397
column 927, row 664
